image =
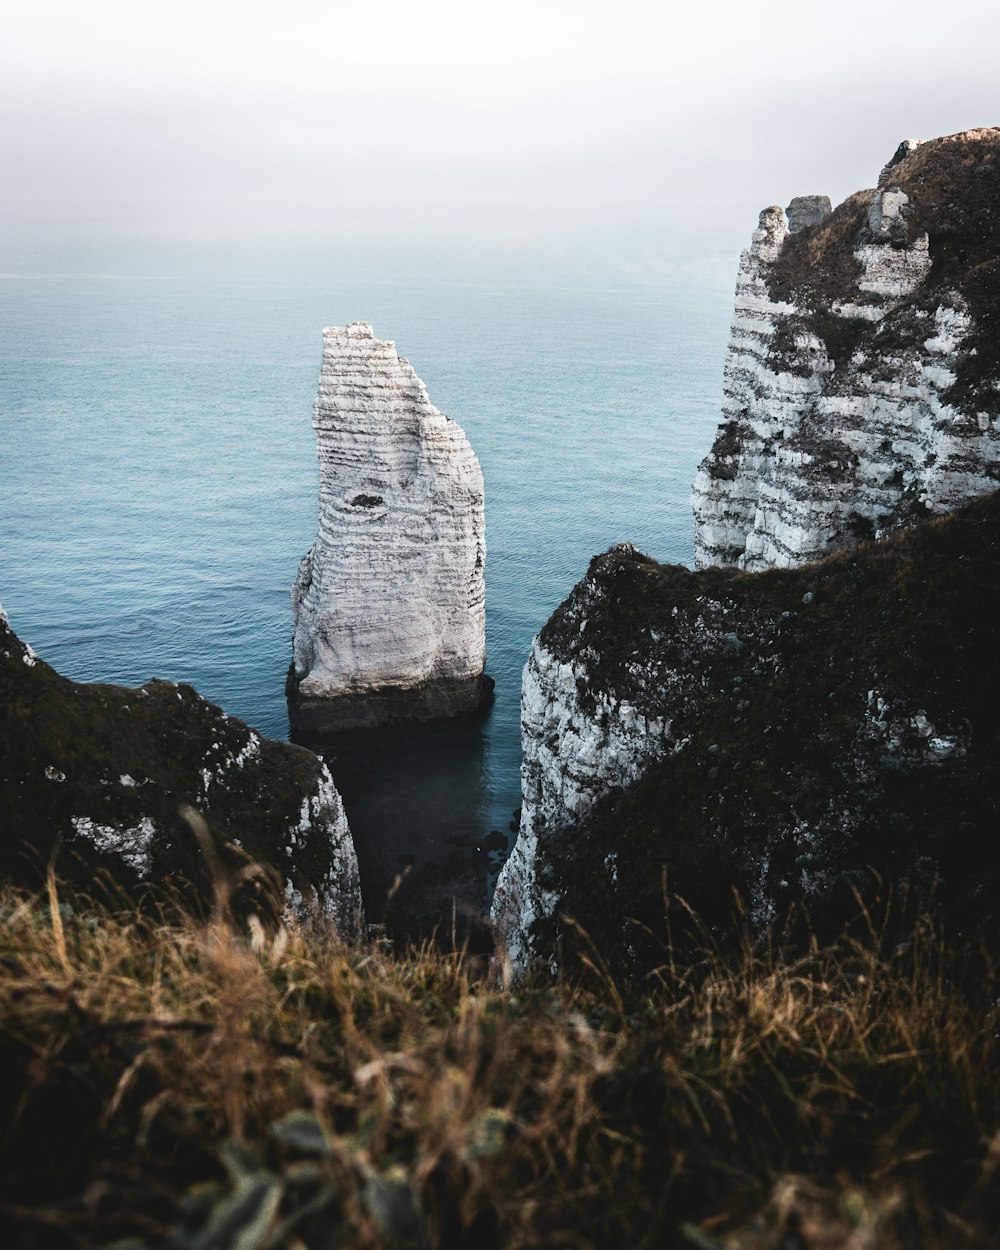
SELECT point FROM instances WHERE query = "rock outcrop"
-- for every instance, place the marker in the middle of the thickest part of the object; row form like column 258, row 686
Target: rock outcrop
column 862, row 379
column 807, row 210
column 103, row 776
column 389, row 603
column 781, row 732
column 785, row 732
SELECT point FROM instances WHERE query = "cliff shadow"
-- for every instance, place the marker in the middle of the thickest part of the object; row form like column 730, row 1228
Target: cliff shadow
column 417, row 799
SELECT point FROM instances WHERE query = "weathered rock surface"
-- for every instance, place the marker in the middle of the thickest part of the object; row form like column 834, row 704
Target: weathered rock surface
column 862, row 379
column 807, row 210
column 389, row 603
column 102, row 774
column 778, row 732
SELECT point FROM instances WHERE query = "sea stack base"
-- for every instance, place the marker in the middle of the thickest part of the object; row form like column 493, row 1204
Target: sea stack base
column 439, row 699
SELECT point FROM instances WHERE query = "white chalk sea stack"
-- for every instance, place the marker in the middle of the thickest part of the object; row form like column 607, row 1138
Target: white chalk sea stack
column 389, row 603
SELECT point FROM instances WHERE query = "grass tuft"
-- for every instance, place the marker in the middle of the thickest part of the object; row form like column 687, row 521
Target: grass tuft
column 220, row 1085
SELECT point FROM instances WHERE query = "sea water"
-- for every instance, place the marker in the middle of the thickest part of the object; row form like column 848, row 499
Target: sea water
column 159, row 483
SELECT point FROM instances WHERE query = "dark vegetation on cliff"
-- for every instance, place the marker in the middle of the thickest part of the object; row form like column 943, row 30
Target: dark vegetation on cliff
column 953, row 186
column 212, row 1088
column 117, row 757
column 840, row 718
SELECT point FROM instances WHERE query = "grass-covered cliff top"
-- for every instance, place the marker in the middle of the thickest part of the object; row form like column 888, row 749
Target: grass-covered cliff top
column 102, row 777
column 953, row 187
column 916, row 609
column 200, row 1086
column 820, row 720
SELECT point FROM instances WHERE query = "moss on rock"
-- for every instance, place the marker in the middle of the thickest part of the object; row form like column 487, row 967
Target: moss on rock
column 952, row 186
column 101, row 776
column 834, row 719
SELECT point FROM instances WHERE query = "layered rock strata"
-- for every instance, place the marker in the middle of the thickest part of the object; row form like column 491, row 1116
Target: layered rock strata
column 389, row 603
column 862, row 378
column 106, row 778
column 782, row 733
column 779, row 733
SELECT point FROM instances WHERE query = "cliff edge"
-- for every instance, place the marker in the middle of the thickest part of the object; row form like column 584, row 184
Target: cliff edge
column 783, row 733
column 817, row 701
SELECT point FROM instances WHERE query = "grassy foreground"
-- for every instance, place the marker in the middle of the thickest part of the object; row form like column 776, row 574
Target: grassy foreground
column 188, row 1085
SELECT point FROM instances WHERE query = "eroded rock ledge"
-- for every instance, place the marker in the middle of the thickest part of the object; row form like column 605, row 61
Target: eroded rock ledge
column 780, row 732
column 862, row 379
column 102, row 774
column 389, row 603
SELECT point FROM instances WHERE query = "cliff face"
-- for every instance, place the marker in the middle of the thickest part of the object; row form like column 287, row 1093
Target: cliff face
column 389, row 603
column 862, row 379
column 783, row 732
column 779, row 732
column 102, row 773
column 579, row 740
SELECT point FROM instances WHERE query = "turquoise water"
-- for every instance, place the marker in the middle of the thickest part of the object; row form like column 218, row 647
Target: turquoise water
column 159, row 481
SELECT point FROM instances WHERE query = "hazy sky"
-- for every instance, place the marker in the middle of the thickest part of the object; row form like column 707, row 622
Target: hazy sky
column 246, row 110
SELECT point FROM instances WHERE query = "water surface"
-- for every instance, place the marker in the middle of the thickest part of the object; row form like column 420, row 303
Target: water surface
column 159, row 481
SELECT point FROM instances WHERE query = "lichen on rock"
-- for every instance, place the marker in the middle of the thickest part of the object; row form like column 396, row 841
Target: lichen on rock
column 389, row 603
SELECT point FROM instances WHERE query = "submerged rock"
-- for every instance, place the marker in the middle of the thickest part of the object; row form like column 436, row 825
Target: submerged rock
column 389, row 603
column 783, row 733
column 105, row 778
column 862, row 379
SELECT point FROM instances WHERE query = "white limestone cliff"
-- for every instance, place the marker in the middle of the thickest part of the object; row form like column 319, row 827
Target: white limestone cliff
column 572, row 753
column 782, row 734
column 584, row 733
column 389, row 603
column 862, row 392
column 336, row 892
column 841, row 414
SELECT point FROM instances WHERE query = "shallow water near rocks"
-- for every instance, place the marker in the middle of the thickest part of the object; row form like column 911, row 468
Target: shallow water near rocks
column 159, row 481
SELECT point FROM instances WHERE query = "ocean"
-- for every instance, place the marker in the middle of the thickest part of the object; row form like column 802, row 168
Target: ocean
column 159, row 482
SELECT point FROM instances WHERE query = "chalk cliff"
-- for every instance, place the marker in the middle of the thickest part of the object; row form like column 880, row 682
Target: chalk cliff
column 862, row 378
column 102, row 774
column 822, row 702
column 779, row 732
column 389, row 603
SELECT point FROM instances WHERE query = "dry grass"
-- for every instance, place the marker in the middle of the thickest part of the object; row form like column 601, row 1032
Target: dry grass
column 195, row 1086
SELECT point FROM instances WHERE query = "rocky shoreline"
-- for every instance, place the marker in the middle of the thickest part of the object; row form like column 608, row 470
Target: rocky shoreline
column 444, row 698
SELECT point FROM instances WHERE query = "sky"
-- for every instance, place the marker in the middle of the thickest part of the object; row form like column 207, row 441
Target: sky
column 238, row 115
